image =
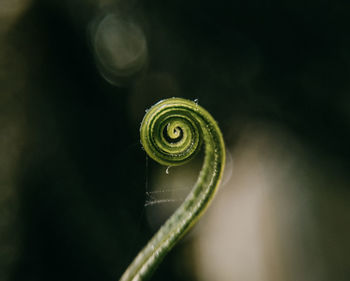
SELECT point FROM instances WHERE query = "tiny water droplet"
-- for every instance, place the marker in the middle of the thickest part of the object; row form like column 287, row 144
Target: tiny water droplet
column 146, row 110
column 196, row 101
column 167, row 170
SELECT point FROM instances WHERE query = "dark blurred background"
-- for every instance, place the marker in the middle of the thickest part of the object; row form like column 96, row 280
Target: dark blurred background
column 78, row 196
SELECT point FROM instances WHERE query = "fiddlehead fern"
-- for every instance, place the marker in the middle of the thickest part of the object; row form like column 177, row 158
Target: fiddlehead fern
column 171, row 133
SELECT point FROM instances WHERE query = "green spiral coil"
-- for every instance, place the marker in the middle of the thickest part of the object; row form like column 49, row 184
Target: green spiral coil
column 171, row 133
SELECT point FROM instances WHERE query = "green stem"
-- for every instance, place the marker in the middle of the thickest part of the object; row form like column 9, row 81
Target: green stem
column 171, row 133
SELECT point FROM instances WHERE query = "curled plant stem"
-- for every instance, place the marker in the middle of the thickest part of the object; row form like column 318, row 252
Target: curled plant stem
column 171, row 133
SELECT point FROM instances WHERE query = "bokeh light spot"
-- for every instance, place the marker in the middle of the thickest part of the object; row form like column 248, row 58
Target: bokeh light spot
column 120, row 48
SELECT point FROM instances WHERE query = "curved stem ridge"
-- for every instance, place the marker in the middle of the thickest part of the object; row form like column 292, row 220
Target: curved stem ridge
column 171, row 133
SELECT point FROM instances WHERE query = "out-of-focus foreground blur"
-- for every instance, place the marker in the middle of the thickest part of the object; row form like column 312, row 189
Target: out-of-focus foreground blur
column 78, row 196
